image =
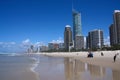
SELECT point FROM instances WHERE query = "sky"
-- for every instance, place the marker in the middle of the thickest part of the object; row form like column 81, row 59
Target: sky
column 26, row 22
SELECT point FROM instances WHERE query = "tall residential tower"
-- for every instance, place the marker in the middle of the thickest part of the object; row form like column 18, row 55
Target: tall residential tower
column 115, row 29
column 77, row 31
column 67, row 37
column 95, row 39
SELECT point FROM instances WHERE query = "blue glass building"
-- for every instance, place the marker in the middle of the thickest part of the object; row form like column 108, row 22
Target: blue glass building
column 76, row 24
column 77, row 31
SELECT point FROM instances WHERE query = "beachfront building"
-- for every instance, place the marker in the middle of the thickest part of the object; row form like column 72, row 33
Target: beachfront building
column 95, row 39
column 77, row 31
column 31, row 49
column 114, row 29
column 79, row 42
column 43, row 48
column 112, row 34
column 55, row 45
column 67, row 37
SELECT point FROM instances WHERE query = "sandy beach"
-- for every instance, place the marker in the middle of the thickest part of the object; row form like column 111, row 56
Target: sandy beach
column 60, row 66
column 103, row 61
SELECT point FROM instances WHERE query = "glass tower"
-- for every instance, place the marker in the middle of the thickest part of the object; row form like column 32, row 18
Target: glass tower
column 77, row 31
column 76, row 24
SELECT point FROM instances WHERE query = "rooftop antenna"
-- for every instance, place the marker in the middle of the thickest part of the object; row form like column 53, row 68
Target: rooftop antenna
column 73, row 9
column 72, row 6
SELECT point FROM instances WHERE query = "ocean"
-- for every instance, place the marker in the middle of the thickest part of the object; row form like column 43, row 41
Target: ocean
column 39, row 67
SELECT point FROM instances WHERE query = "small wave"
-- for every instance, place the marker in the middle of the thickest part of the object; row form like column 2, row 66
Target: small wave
column 35, row 59
column 33, row 67
column 9, row 54
column 14, row 54
column 35, row 64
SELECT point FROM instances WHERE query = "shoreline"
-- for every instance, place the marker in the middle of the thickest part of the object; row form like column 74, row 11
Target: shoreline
column 98, row 60
column 14, row 67
column 33, row 68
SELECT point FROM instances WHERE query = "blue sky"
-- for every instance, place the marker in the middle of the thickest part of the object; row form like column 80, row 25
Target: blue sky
column 38, row 20
column 96, row 14
column 41, row 21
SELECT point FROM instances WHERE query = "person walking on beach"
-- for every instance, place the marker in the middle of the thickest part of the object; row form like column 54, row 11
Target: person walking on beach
column 102, row 54
column 115, row 57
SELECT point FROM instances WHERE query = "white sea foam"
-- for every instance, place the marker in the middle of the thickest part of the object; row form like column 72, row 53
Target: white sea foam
column 35, row 64
column 10, row 54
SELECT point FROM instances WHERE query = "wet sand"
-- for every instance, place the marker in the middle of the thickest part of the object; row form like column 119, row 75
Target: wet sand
column 68, row 68
column 19, row 75
column 17, row 68
column 103, row 61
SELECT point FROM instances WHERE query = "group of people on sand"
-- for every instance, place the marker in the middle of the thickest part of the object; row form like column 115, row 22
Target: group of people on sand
column 90, row 55
column 114, row 57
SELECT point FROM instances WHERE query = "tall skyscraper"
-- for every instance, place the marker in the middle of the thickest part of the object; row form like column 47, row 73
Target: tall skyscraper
column 76, row 24
column 67, row 37
column 115, row 29
column 112, row 35
column 95, row 39
column 77, row 31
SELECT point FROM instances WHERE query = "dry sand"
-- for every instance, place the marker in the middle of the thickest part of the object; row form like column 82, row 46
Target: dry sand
column 103, row 61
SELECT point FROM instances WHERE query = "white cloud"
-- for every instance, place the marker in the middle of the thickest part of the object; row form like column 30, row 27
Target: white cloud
column 18, row 47
column 37, row 44
column 8, row 47
column 12, row 43
column 26, row 42
column 6, row 44
column 1, row 43
column 107, row 41
column 57, row 41
column 14, row 47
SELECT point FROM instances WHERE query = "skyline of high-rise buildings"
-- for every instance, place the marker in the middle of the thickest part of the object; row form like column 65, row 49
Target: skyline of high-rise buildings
column 38, row 21
column 95, row 38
